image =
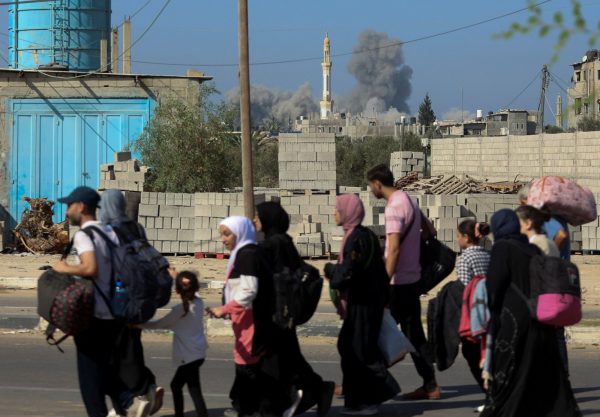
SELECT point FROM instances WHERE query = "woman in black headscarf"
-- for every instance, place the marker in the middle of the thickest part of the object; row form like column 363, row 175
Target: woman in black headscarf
column 528, row 378
column 285, row 363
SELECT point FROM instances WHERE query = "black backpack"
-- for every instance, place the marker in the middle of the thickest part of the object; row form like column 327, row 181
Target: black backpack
column 297, row 294
column 143, row 273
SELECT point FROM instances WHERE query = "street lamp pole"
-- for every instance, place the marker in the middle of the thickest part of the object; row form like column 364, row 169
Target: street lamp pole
column 244, row 57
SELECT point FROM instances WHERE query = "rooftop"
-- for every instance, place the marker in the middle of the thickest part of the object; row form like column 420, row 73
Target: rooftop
column 67, row 75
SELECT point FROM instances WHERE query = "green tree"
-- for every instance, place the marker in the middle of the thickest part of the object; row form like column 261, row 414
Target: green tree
column 563, row 24
column 411, row 142
column 588, row 124
column 426, row 114
column 189, row 148
column 553, row 129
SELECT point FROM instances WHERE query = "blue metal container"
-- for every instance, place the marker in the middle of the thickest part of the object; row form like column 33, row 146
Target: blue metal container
column 66, row 32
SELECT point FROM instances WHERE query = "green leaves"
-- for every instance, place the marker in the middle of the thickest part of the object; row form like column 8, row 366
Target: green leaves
column 557, row 24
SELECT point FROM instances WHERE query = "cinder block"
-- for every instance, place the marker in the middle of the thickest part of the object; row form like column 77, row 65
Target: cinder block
column 122, row 156
column 167, row 234
column 187, row 212
column 169, row 211
column 148, row 210
column 185, row 235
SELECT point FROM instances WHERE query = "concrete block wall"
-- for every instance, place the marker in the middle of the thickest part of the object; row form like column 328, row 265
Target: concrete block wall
column 405, row 163
column 169, row 219
column 504, row 158
column 307, row 161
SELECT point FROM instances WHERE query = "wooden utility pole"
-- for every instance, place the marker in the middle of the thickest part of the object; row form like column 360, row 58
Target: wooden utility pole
column 244, row 56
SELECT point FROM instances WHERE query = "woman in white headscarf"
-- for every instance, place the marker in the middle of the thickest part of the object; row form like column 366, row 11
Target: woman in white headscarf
column 248, row 301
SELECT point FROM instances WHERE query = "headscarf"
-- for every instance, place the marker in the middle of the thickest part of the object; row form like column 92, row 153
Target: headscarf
column 245, row 234
column 113, row 207
column 352, row 213
column 505, row 225
column 273, row 217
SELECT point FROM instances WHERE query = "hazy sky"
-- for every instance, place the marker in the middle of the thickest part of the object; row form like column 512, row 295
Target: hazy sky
column 490, row 72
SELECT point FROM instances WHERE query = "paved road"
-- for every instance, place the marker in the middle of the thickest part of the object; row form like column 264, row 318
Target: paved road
column 37, row 380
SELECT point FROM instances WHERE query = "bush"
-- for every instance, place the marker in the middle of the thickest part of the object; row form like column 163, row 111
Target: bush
column 588, row 124
column 355, row 157
column 189, row 149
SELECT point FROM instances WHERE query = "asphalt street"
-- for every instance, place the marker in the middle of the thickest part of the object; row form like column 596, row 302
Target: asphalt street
column 37, row 380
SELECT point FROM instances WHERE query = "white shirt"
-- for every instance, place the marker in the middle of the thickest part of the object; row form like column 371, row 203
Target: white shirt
column 189, row 341
column 82, row 244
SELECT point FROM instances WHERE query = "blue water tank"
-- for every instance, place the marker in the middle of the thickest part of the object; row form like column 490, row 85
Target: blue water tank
column 65, row 32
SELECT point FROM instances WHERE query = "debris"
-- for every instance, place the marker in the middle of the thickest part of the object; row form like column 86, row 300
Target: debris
column 451, row 184
column 36, row 233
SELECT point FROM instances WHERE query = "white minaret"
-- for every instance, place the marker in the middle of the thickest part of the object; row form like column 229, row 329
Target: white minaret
column 326, row 101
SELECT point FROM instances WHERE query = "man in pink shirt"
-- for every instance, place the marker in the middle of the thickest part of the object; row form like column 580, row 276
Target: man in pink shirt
column 402, row 262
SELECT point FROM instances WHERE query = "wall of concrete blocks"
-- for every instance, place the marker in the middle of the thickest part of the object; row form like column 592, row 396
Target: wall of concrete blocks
column 572, row 155
column 405, row 163
column 125, row 174
column 170, row 221
column 307, row 161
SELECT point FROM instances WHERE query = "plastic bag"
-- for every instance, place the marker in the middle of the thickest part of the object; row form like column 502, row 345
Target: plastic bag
column 394, row 345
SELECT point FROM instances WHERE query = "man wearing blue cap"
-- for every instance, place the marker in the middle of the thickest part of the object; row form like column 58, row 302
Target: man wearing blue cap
column 96, row 345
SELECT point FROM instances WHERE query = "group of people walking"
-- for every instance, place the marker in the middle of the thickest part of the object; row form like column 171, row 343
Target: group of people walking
column 522, row 369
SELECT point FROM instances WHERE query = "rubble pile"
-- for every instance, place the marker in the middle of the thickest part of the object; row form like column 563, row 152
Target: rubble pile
column 37, row 233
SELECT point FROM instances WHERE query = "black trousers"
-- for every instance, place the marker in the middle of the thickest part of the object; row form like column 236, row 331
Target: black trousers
column 188, row 374
column 471, row 351
column 96, row 366
column 405, row 306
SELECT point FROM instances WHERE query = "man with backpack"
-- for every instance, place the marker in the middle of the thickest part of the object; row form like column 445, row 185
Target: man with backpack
column 91, row 259
column 402, row 262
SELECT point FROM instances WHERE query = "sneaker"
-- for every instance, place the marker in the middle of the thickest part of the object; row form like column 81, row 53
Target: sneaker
column 290, row 411
column 479, row 409
column 139, row 408
column 113, row 413
column 423, row 394
column 230, row 412
column 370, row 410
column 326, row 398
column 155, row 396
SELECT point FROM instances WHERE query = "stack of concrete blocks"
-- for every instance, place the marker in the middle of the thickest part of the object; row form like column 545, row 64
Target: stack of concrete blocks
column 590, row 234
column 312, row 221
column 405, row 163
column 169, row 219
column 125, row 174
column 211, row 209
column 307, row 161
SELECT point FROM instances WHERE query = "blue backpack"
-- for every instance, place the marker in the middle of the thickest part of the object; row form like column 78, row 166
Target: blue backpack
column 140, row 280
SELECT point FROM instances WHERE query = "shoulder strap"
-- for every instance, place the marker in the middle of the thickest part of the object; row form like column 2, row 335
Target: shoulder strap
column 416, row 214
column 111, row 245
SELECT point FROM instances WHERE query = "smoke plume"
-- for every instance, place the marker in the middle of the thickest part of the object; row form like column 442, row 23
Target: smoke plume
column 458, row 115
column 380, row 73
column 267, row 103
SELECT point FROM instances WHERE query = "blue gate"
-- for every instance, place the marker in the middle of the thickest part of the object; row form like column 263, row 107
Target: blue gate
column 58, row 145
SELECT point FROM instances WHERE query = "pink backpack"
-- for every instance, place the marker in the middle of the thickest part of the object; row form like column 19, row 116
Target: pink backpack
column 564, row 198
column 555, row 291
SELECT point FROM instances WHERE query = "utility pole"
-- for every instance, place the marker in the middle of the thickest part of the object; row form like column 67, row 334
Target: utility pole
column 542, row 104
column 244, row 56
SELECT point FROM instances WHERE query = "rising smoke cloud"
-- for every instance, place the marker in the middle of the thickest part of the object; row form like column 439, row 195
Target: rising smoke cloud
column 458, row 115
column 267, row 103
column 380, row 73
column 382, row 87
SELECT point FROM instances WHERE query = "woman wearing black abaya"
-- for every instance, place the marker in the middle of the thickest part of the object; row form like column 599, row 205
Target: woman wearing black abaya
column 285, row 363
column 361, row 276
column 528, row 378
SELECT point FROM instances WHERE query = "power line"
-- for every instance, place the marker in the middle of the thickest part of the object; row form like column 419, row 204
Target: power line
column 537, row 74
column 343, row 54
column 159, row 14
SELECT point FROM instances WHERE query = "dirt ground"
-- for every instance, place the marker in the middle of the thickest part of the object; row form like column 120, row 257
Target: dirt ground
column 24, row 265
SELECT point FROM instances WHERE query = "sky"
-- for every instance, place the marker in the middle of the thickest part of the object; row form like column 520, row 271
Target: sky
column 487, row 73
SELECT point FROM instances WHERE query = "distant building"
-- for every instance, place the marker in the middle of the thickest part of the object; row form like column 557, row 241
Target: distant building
column 326, row 101
column 584, row 94
column 502, row 123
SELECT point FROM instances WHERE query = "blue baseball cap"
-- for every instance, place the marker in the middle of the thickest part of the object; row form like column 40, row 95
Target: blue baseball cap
column 85, row 195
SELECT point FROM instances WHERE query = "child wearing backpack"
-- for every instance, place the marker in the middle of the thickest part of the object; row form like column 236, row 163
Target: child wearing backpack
column 186, row 320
